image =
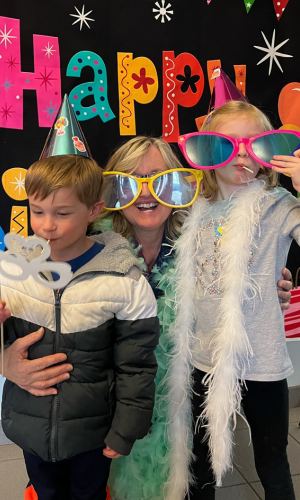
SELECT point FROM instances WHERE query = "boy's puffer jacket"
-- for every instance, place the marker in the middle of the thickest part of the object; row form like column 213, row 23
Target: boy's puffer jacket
column 105, row 321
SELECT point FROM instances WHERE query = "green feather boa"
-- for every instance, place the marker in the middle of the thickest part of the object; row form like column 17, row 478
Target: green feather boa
column 143, row 474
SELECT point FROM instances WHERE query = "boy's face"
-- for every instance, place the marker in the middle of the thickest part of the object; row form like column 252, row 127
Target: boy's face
column 63, row 219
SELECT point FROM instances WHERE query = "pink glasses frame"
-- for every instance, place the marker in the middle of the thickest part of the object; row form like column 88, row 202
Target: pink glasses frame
column 235, row 142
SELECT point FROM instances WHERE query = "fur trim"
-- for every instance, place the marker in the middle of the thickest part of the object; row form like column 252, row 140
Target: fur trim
column 180, row 372
column 232, row 350
column 231, row 346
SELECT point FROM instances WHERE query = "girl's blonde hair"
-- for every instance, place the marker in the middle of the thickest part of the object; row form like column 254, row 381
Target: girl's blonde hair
column 230, row 110
column 127, row 159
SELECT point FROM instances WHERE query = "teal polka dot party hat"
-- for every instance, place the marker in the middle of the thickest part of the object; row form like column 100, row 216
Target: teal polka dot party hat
column 66, row 136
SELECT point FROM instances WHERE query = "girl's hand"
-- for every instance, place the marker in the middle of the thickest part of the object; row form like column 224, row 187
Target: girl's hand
column 4, row 313
column 288, row 165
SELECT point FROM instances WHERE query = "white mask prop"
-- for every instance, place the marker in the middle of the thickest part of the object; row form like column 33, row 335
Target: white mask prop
column 28, row 257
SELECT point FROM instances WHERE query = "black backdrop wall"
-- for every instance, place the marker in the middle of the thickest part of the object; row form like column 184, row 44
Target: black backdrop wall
column 84, row 56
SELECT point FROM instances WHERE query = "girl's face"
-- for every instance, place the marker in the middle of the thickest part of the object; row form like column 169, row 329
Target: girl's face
column 233, row 174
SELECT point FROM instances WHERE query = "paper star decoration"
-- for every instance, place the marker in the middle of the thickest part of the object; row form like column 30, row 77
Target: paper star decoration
column 6, row 112
column 6, row 36
column 82, row 17
column 50, row 110
column 20, row 183
column 163, row 11
column 49, row 50
column 7, row 84
column 45, row 78
column 11, row 62
column 272, row 52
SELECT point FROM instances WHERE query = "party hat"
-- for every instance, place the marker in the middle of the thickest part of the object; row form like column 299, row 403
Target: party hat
column 224, row 90
column 66, row 136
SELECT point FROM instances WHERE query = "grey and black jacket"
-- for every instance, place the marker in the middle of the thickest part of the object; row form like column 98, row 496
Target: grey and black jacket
column 105, row 321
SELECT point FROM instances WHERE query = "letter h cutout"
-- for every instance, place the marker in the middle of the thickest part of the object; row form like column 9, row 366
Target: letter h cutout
column 46, row 79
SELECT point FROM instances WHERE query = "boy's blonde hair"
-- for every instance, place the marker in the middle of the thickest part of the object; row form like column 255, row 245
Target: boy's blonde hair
column 221, row 115
column 78, row 172
column 127, row 159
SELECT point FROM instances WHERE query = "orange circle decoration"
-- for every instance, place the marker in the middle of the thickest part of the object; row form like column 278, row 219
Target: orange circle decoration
column 13, row 182
column 289, row 104
column 290, row 126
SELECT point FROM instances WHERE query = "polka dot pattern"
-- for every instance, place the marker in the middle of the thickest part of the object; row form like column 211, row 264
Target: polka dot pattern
column 101, row 106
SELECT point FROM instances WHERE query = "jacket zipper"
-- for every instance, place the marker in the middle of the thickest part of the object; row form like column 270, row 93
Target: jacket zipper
column 54, row 413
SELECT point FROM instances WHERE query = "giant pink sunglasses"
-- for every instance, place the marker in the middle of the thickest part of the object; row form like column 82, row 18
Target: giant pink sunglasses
column 207, row 150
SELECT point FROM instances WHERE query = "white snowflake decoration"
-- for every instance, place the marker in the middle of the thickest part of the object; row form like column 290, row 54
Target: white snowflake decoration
column 49, row 50
column 163, row 11
column 6, row 36
column 82, row 17
column 272, row 52
column 20, row 183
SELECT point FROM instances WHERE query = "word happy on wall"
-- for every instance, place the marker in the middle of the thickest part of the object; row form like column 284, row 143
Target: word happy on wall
column 183, row 83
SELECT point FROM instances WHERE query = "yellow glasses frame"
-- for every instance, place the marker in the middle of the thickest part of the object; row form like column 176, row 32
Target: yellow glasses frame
column 198, row 174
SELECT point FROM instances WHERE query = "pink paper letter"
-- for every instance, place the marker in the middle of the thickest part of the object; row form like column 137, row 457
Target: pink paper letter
column 45, row 80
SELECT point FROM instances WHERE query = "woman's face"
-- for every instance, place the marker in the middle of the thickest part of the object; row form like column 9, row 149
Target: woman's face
column 146, row 213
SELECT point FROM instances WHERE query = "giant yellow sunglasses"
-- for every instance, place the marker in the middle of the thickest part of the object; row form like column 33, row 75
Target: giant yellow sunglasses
column 177, row 188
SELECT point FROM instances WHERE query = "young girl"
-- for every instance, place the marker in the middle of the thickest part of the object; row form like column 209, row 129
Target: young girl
column 229, row 327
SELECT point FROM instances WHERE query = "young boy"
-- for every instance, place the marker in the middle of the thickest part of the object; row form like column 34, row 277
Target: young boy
column 104, row 320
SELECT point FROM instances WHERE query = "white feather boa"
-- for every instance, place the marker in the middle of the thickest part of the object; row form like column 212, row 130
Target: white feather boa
column 231, row 350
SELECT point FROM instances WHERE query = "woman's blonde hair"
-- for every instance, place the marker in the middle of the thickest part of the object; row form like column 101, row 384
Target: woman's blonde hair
column 127, row 159
column 221, row 115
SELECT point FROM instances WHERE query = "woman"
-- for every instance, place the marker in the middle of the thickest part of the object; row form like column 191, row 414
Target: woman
column 152, row 228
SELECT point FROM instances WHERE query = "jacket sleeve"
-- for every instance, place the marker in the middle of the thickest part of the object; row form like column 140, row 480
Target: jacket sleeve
column 136, row 337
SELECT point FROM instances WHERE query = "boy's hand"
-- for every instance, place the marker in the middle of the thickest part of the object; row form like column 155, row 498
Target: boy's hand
column 109, row 453
column 286, row 285
column 288, row 165
column 4, row 313
column 36, row 376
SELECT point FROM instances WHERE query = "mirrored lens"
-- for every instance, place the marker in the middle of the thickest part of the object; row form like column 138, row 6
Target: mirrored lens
column 176, row 188
column 267, row 146
column 208, row 150
column 119, row 190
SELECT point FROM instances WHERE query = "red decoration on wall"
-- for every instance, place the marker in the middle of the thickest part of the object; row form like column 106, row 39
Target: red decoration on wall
column 279, row 6
column 142, row 80
column 211, row 66
column 183, row 83
column 292, row 317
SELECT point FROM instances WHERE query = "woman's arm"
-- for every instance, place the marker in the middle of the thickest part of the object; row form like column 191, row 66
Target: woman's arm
column 37, row 376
